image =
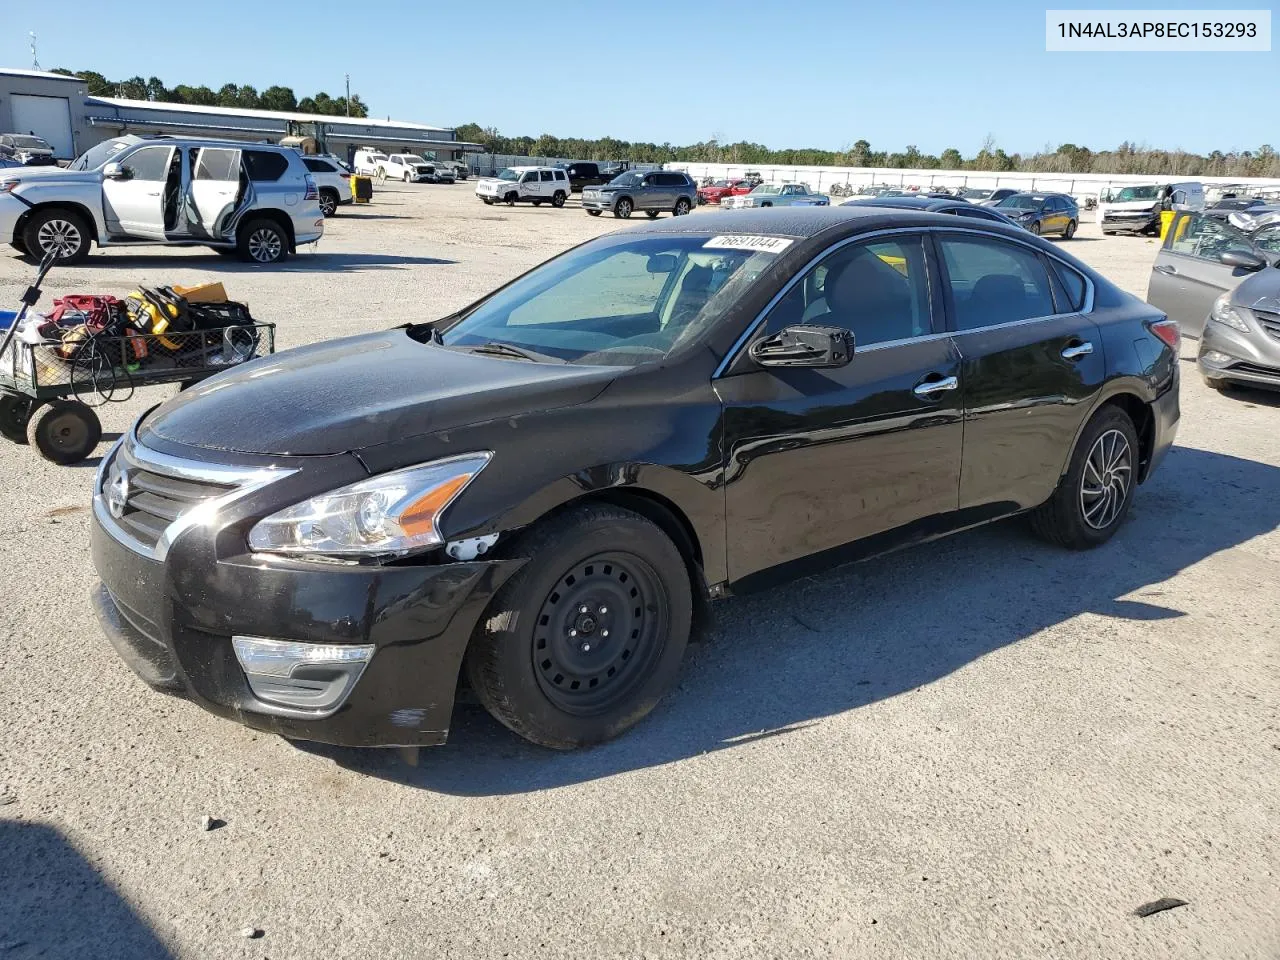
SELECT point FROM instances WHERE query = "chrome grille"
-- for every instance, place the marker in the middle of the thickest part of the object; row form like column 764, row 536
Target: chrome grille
column 1270, row 322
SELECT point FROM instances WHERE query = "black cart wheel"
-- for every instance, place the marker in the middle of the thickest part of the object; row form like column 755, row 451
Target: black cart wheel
column 65, row 431
column 588, row 636
column 537, row 203
column 1095, row 494
column 15, row 411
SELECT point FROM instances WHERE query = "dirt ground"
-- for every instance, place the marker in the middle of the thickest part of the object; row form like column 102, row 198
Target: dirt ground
column 984, row 747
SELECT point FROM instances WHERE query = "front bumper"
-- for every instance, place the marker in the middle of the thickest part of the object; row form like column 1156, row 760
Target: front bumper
column 597, row 202
column 1129, row 223
column 1254, row 358
column 172, row 621
column 11, row 211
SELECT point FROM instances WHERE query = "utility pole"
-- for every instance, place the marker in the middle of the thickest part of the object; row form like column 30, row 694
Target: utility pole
column 348, row 94
column 35, row 61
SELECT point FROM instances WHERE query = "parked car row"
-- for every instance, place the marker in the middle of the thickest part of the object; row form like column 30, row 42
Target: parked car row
column 407, row 167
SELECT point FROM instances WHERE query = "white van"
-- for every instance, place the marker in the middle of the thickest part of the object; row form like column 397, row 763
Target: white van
column 526, row 184
column 1137, row 209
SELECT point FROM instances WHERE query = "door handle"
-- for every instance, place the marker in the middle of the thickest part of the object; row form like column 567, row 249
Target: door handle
column 1164, row 268
column 931, row 387
column 1077, row 350
column 156, row 194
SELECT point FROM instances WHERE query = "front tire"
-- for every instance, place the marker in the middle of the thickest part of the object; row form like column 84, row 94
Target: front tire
column 511, row 199
column 651, row 214
column 65, row 431
column 588, row 636
column 262, row 241
column 557, row 200
column 622, row 209
column 593, row 213
column 1094, row 496
column 59, row 231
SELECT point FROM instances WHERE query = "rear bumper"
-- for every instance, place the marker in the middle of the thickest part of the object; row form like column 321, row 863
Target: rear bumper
column 172, row 622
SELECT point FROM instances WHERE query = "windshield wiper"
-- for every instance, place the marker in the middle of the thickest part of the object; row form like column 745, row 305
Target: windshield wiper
column 499, row 349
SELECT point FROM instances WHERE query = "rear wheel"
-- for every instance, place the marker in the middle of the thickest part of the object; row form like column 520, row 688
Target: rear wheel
column 682, row 207
column 60, row 232
column 328, row 202
column 623, row 208
column 588, row 636
column 262, row 241
column 65, row 431
column 1070, row 231
column 1095, row 494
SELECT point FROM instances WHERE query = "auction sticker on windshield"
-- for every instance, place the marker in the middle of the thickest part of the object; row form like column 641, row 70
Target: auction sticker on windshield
column 763, row 244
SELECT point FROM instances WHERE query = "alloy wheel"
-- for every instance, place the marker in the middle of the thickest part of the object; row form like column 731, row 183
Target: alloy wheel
column 682, row 207
column 1106, row 480
column 61, row 237
column 328, row 205
column 265, row 245
column 598, row 631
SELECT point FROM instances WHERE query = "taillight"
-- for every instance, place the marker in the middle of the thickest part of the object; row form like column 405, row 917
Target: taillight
column 1167, row 330
column 313, row 192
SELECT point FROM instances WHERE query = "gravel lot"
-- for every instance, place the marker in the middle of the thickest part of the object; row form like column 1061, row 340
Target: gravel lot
column 985, row 747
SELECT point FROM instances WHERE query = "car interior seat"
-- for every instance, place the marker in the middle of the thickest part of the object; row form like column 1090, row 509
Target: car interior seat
column 870, row 298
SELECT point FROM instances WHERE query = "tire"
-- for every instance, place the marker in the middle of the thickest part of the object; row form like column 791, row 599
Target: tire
column 537, row 203
column 1035, row 228
column 557, row 199
column 328, row 202
column 1108, row 233
column 766, row 204
column 651, row 214
column 62, row 229
column 1070, row 231
column 407, row 178
column 605, row 559
column 15, row 412
column 19, row 245
column 622, row 209
column 511, row 199
column 593, row 213
column 262, row 241
column 682, row 207
column 1071, row 517
column 65, row 431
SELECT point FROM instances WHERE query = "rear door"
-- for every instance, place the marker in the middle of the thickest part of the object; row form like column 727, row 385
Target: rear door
column 134, row 206
column 1188, row 274
column 546, row 184
column 215, row 191
column 820, row 458
column 1032, row 361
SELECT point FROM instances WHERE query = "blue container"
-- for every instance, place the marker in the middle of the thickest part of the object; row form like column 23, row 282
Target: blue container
column 6, row 319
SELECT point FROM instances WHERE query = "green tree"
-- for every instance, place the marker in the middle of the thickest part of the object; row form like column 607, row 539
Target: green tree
column 135, row 88
column 228, row 94
column 951, row 159
column 278, row 98
column 156, row 90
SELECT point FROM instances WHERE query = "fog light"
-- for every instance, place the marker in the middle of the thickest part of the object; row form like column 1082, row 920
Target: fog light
column 1216, row 356
column 315, row 677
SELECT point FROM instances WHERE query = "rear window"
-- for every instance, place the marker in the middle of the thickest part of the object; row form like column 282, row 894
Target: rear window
column 317, row 166
column 265, row 166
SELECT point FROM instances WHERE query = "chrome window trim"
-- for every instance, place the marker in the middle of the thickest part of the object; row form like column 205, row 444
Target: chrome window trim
column 747, row 334
column 247, row 480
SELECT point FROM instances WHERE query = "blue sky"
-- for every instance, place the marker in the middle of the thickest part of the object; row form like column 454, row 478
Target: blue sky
column 817, row 73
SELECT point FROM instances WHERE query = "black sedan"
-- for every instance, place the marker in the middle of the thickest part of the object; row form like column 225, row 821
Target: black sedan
column 928, row 204
column 1042, row 213
column 543, row 490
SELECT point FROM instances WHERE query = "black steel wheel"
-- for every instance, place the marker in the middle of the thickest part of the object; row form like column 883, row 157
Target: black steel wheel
column 585, row 639
column 65, row 431
column 15, row 411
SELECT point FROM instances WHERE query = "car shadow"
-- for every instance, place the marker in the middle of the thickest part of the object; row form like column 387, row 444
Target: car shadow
column 1252, row 396
column 346, row 215
column 786, row 658
column 53, row 903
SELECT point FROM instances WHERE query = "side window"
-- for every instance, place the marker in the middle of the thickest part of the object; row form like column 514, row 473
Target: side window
column 216, row 163
column 560, row 175
column 1070, row 284
column 1207, row 238
column 265, row 166
column 530, row 177
column 149, row 163
column 545, row 176
column 879, row 290
column 316, row 166
column 993, row 281
column 397, row 161
column 1268, row 239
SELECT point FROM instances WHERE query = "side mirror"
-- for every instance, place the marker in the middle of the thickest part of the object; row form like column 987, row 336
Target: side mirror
column 116, row 171
column 804, row 345
column 1243, row 260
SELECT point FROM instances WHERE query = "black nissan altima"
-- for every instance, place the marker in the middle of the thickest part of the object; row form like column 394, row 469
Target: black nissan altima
column 542, row 491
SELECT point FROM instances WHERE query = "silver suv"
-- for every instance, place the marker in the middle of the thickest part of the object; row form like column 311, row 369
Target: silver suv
column 655, row 192
column 255, row 200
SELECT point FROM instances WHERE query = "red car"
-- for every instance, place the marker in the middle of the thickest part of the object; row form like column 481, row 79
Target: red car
column 723, row 188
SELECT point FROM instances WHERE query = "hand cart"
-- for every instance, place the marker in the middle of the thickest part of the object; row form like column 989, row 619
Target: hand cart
column 48, row 390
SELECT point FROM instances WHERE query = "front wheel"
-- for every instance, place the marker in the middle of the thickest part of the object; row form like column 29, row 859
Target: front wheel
column 682, row 207
column 1094, row 496
column 622, row 209
column 59, row 232
column 511, row 199
column 558, row 199
column 593, row 213
column 651, row 214
column 1035, row 228
column 1070, row 231
column 586, row 638
column 262, row 241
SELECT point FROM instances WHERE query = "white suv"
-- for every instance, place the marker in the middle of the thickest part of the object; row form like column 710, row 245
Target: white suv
column 334, row 183
column 525, row 184
column 408, row 167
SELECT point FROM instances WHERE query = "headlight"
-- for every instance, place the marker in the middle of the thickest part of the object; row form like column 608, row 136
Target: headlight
column 1225, row 314
column 392, row 514
column 7, row 185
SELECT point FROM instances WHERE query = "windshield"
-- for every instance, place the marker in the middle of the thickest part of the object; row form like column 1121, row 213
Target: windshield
column 412, row 158
column 1022, row 201
column 629, row 179
column 1127, row 194
column 509, row 174
column 972, row 193
column 21, row 141
column 95, row 157
column 617, row 300
column 767, row 189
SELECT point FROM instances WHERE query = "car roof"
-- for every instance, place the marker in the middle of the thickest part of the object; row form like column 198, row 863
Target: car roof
column 806, row 222
column 910, row 203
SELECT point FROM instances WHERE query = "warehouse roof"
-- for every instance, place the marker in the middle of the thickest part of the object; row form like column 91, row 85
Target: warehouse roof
column 38, row 74
column 264, row 114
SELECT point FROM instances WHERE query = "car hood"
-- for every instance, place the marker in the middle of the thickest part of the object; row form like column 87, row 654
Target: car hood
column 1133, row 206
column 62, row 174
column 357, row 392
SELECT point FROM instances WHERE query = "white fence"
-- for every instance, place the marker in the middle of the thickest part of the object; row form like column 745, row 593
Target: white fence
column 488, row 164
column 824, row 178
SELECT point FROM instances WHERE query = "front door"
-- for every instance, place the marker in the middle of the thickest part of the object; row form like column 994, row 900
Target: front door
column 655, row 195
column 819, row 458
column 215, row 192
column 1188, row 274
column 134, row 206
column 1032, row 365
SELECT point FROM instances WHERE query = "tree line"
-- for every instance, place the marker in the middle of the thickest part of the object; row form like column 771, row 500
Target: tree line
column 228, row 95
column 1128, row 158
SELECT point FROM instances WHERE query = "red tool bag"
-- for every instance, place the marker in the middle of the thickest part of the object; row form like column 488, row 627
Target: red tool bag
column 88, row 316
